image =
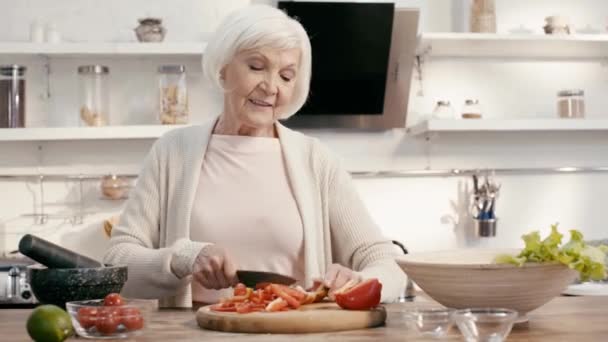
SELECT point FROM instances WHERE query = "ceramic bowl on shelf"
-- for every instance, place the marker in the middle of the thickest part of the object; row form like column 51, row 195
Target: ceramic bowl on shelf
column 468, row 278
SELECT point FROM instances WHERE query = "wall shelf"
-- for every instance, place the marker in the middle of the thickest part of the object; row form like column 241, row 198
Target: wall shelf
column 513, row 45
column 193, row 49
column 84, row 133
column 506, row 125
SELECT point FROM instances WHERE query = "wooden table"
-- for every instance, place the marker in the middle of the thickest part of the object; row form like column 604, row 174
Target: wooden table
column 572, row 319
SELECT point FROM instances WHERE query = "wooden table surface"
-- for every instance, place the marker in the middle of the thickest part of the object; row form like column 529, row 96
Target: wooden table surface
column 573, row 319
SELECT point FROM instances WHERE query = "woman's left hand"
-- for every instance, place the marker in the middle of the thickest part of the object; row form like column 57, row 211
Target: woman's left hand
column 337, row 276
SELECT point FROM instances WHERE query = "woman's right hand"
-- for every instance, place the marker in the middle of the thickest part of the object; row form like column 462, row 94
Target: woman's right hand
column 214, row 268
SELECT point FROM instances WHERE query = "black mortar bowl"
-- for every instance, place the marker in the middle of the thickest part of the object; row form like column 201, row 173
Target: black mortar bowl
column 60, row 285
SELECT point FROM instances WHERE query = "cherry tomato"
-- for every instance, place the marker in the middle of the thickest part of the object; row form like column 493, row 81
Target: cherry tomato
column 362, row 296
column 113, row 299
column 131, row 318
column 87, row 316
column 133, row 322
column 240, row 289
column 107, row 323
column 129, row 311
column 109, row 310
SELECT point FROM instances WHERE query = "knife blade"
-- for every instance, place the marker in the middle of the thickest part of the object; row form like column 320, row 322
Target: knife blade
column 252, row 278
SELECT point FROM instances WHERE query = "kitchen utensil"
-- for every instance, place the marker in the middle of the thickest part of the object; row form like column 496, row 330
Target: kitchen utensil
column 14, row 285
column 486, row 227
column 251, row 278
column 468, row 278
column 52, row 255
column 60, row 285
column 312, row 318
column 485, row 325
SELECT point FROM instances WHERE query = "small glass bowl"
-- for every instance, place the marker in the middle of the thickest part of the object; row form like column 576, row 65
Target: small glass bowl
column 485, row 324
column 429, row 322
column 91, row 319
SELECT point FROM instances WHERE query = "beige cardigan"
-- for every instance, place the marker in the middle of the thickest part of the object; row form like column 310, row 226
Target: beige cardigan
column 154, row 227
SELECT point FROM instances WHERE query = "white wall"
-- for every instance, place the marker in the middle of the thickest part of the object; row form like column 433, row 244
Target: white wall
column 425, row 213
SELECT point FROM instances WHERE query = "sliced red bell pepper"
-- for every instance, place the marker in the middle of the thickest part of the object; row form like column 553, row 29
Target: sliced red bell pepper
column 362, row 296
column 276, row 305
column 279, row 291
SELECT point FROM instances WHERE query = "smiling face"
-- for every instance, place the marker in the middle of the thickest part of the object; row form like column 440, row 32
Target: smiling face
column 259, row 85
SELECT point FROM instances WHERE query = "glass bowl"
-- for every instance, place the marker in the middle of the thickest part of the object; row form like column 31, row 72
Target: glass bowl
column 486, row 324
column 429, row 322
column 91, row 319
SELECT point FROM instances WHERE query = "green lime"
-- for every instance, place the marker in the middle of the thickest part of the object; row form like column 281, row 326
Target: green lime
column 49, row 323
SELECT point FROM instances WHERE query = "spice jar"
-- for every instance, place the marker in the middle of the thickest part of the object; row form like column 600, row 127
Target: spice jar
column 483, row 16
column 443, row 110
column 150, row 30
column 557, row 25
column 12, row 96
column 115, row 187
column 94, row 95
column 173, row 94
column 471, row 109
column 571, row 103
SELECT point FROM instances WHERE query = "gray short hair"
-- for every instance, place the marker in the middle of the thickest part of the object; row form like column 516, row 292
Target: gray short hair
column 258, row 26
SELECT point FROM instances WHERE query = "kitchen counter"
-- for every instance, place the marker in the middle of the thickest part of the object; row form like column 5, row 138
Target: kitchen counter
column 563, row 319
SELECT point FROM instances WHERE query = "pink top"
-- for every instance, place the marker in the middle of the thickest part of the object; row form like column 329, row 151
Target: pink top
column 244, row 204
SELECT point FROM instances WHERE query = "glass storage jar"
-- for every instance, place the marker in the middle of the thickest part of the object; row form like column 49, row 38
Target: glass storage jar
column 94, row 95
column 571, row 103
column 443, row 110
column 483, row 16
column 173, row 94
column 471, row 109
column 12, row 96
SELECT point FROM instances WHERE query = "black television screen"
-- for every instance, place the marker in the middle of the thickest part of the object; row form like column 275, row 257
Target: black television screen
column 350, row 52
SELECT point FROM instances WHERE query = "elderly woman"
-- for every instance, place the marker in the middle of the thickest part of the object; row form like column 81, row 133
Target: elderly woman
column 245, row 192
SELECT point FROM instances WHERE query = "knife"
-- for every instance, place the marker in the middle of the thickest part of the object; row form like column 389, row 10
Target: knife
column 252, row 278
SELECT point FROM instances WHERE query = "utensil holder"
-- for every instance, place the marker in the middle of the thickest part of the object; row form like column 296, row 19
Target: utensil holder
column 486, row 228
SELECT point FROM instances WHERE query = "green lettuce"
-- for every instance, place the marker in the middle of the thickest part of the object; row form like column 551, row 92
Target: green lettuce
column 588, row 261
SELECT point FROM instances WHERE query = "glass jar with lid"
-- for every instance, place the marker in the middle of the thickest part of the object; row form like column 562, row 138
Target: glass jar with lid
column 571, row 103
column 173, row 94
column 471, row 109
column 483, row 16
column 443, row 110
column 94, row 95
column 12, row 96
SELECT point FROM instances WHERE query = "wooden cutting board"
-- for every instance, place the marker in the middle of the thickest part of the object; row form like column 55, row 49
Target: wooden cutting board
column 319, row 317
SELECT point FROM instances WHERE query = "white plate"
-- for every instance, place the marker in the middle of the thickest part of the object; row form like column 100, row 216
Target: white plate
column 587, row 289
